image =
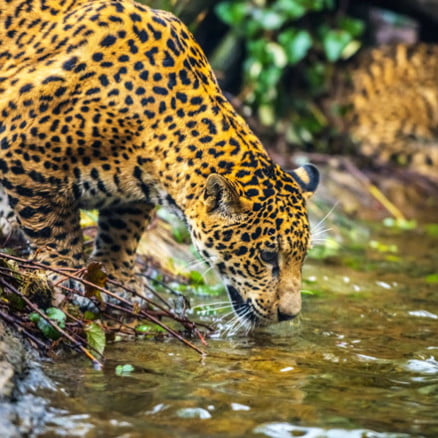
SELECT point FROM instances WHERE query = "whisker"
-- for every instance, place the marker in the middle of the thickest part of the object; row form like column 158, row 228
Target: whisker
column 251, row 327
column 242, row 325
column 236, row 323
column 248, row 326
column 318, row 232
column 213, row 310
column 315, row 227
column 216, row 303
column 227, row 315
column 318, row 241
column 208, row 270
column 195, row 260
column 229, row 332
column 231, row 322
column 198, row 265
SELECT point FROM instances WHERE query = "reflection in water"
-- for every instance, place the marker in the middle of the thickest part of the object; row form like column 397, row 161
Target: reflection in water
column 362, row 362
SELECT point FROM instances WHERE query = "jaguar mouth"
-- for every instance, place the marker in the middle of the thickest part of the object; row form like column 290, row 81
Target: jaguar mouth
column 242, row 308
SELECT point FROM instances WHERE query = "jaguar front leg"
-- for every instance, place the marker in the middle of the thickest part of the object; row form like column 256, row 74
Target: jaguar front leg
column 51, row 224
column 120, row 228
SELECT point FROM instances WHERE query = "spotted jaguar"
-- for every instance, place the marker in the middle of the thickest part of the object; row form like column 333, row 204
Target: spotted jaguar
column 111, row 105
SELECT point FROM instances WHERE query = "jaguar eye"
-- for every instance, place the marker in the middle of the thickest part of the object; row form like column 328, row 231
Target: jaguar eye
column 269, row 257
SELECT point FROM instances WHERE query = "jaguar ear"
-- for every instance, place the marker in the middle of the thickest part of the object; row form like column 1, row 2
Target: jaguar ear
column 220, row 195
column 307, row 178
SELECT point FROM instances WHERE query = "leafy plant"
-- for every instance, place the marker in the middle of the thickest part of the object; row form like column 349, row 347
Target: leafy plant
column 124, row 370
column 54, row 314
column 290, row 47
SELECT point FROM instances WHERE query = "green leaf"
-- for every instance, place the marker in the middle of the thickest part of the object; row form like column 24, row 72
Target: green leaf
column 329, row 4
column 257, row 49
column 351, row 25
column 329, row 248
column 334, row 42
column 149, row 329
column 34, row 317
column 432, row 278
column 292, row 9
column 54, row 314
column 431, row 230
column 383, row 247
column 90, row 316
column 316, row 75
column 180, row 233
column 95, row 337
column 266, row 114
column 296, row 43
column 144, row 328
column 312, row 292
column 269, row 78
column 232, row 13
column 401, row 224
column 57, row 316
column 123, row 370
column 196, row 277
column 277, row 54
column 268, row 19
column 48, row 330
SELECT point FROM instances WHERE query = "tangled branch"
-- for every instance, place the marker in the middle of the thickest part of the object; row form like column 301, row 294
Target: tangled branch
column 118, row 315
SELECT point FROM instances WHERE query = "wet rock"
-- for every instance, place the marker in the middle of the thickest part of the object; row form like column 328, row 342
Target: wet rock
column 12, row 361
column 22, row 411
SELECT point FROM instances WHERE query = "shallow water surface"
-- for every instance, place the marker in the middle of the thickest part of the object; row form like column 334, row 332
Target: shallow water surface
column 361, row 362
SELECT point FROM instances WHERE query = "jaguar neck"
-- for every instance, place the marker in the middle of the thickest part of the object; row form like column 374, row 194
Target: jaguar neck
column 219, row 141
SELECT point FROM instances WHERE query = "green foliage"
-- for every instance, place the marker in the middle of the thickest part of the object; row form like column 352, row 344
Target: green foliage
column 329, row 248
column 400, row 224
column 383, row 247
column 290, row 46
column 431, row 230
column 149, row 329
column 124, row 370
column 296, row 44
column 432, row 278
column 96, row 338
column 55, row 315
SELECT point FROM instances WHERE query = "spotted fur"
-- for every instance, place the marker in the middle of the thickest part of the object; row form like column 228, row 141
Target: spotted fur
column 111, row 105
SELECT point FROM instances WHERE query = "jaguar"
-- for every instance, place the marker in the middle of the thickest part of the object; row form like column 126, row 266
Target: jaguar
column 111, row 105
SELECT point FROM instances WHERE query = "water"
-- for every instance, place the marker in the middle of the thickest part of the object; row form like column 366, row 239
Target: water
column 361, row 362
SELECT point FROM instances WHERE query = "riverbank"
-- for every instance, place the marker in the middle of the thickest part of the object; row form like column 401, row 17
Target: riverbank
column 22, row 410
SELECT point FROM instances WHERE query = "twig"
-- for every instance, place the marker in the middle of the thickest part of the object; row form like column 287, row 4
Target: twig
column 95, row 361
column 129, row 307
column 373, row 190
column 162, row 325
column 19, row 325
column 166, row 312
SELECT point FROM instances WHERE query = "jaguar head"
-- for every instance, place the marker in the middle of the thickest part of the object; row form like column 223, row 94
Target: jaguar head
column 257, row 236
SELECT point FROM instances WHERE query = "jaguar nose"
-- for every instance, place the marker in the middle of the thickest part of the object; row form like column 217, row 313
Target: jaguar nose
column 285, row 316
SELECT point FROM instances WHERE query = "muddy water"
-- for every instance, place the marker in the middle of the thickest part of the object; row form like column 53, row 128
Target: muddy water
column 361, row 362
